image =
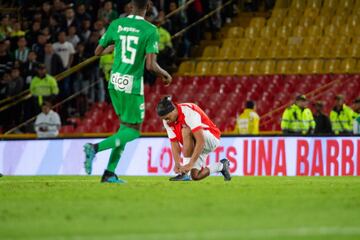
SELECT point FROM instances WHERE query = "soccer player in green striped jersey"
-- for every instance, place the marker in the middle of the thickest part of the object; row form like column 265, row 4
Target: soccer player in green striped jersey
column 135, row 44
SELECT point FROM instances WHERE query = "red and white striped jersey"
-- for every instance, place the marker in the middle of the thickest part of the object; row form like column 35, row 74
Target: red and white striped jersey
column 192, row 116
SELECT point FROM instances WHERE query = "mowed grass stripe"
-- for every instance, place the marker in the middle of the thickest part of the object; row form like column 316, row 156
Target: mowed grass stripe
column 79, row 207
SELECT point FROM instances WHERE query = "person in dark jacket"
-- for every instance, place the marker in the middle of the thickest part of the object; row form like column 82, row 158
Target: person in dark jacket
column 53, row 62
column 323, row 124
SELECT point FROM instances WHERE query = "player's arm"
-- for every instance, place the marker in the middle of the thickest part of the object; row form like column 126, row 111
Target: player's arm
column 100, row 50
column 153, row 66
column 176, row 151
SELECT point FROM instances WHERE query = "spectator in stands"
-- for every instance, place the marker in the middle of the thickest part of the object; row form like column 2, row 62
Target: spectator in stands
column 53, row 62
column 85, row 31
column 45, row 13
column 43, row 86
column 6, row 61
column 22, row 52
column 70, row 20
column 47, row 123
column 99, row 27
column 72, row 37
column 298, row 119
column 32, row 35
column 152, row 12
column 248, row 120
column 106, row 14
column 17, row 32
column 39, row 47
column 5, row 27
column 82, row 14
column 127, row 10
column 54, row 28
column 166, row 57
column 66, row 52
column 356, row 105
column 16, row 85
column 323, row 124
column 29, row 68
column 342, row 117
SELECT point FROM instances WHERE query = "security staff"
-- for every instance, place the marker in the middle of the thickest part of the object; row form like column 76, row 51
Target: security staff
column 342, row 117
column 298, row 119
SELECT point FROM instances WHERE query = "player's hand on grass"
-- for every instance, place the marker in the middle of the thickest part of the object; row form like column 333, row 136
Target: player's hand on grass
column 167, row 79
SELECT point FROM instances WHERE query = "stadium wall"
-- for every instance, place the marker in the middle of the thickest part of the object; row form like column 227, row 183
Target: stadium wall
column 151, row 156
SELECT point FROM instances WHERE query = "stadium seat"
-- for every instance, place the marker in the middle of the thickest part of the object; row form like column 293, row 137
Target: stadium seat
column 299, row 31
column 306, row 22
column 257, row 22
column 236, row 68
column 331, row 31
column 306, row 51
column 311, row 12
column 316, row 66
column 279, row 13
column 203, row 68
column 332, row 66
column 338, row 20
column 354, row 50
column 345, row 6
column 275, row 51
column 323, row 51
column 290, row 22
column 283, row 32
column 226, row 53
column 339, row 51
column 235, row 32
column 243, row 52
column 322, row 21
column 347, row 30
column 290, row 52
column 274, row 22
column 267, row 67
column 210, row 52
column 348, row 65
column 315, row 31
column 283, row 67
column 251, row 68
column 67, row 129
column 330, row 4
column 298, row 4
column 300, row 67
column 186, row 68
column 314, row 4
column 251, row 32
column 219, row 68
column 353, row 20
column 268, row 32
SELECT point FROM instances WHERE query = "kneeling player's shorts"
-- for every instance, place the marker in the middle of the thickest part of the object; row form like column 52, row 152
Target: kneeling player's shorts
column 211, row 143
column 129, row 107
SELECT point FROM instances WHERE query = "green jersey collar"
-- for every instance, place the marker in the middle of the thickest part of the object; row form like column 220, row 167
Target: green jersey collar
column 136, row 17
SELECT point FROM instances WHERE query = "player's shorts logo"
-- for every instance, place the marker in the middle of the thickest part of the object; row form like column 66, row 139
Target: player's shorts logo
column 122, row 83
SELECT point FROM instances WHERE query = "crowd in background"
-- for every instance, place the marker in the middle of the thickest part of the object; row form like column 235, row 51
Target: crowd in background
column 49, row 37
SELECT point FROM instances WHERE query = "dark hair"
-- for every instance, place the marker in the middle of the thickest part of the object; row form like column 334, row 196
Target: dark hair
column 140, row 4
column 165, row 106
column 250, row 104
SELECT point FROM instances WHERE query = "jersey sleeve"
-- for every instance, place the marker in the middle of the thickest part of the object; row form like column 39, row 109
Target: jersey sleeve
column 192, row 119
column 152, row 45
column 170, row 132
column 107, row 38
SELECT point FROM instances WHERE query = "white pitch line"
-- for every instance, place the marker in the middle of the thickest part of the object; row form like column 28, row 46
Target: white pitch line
column 232, row 234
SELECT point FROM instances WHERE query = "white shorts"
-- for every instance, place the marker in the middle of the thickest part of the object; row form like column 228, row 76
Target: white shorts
column 211, row 143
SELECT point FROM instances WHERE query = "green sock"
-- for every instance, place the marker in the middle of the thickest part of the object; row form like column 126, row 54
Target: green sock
column 123, row 136
column 114, row 158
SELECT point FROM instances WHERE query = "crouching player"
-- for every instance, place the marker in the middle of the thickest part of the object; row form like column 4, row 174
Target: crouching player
column 188, row 125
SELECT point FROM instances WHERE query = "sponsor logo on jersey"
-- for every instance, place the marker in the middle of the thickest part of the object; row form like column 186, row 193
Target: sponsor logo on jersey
column 127, row 29
column 122, row 83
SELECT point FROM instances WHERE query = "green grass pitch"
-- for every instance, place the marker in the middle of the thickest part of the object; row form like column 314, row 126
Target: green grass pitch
column 81, row 208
